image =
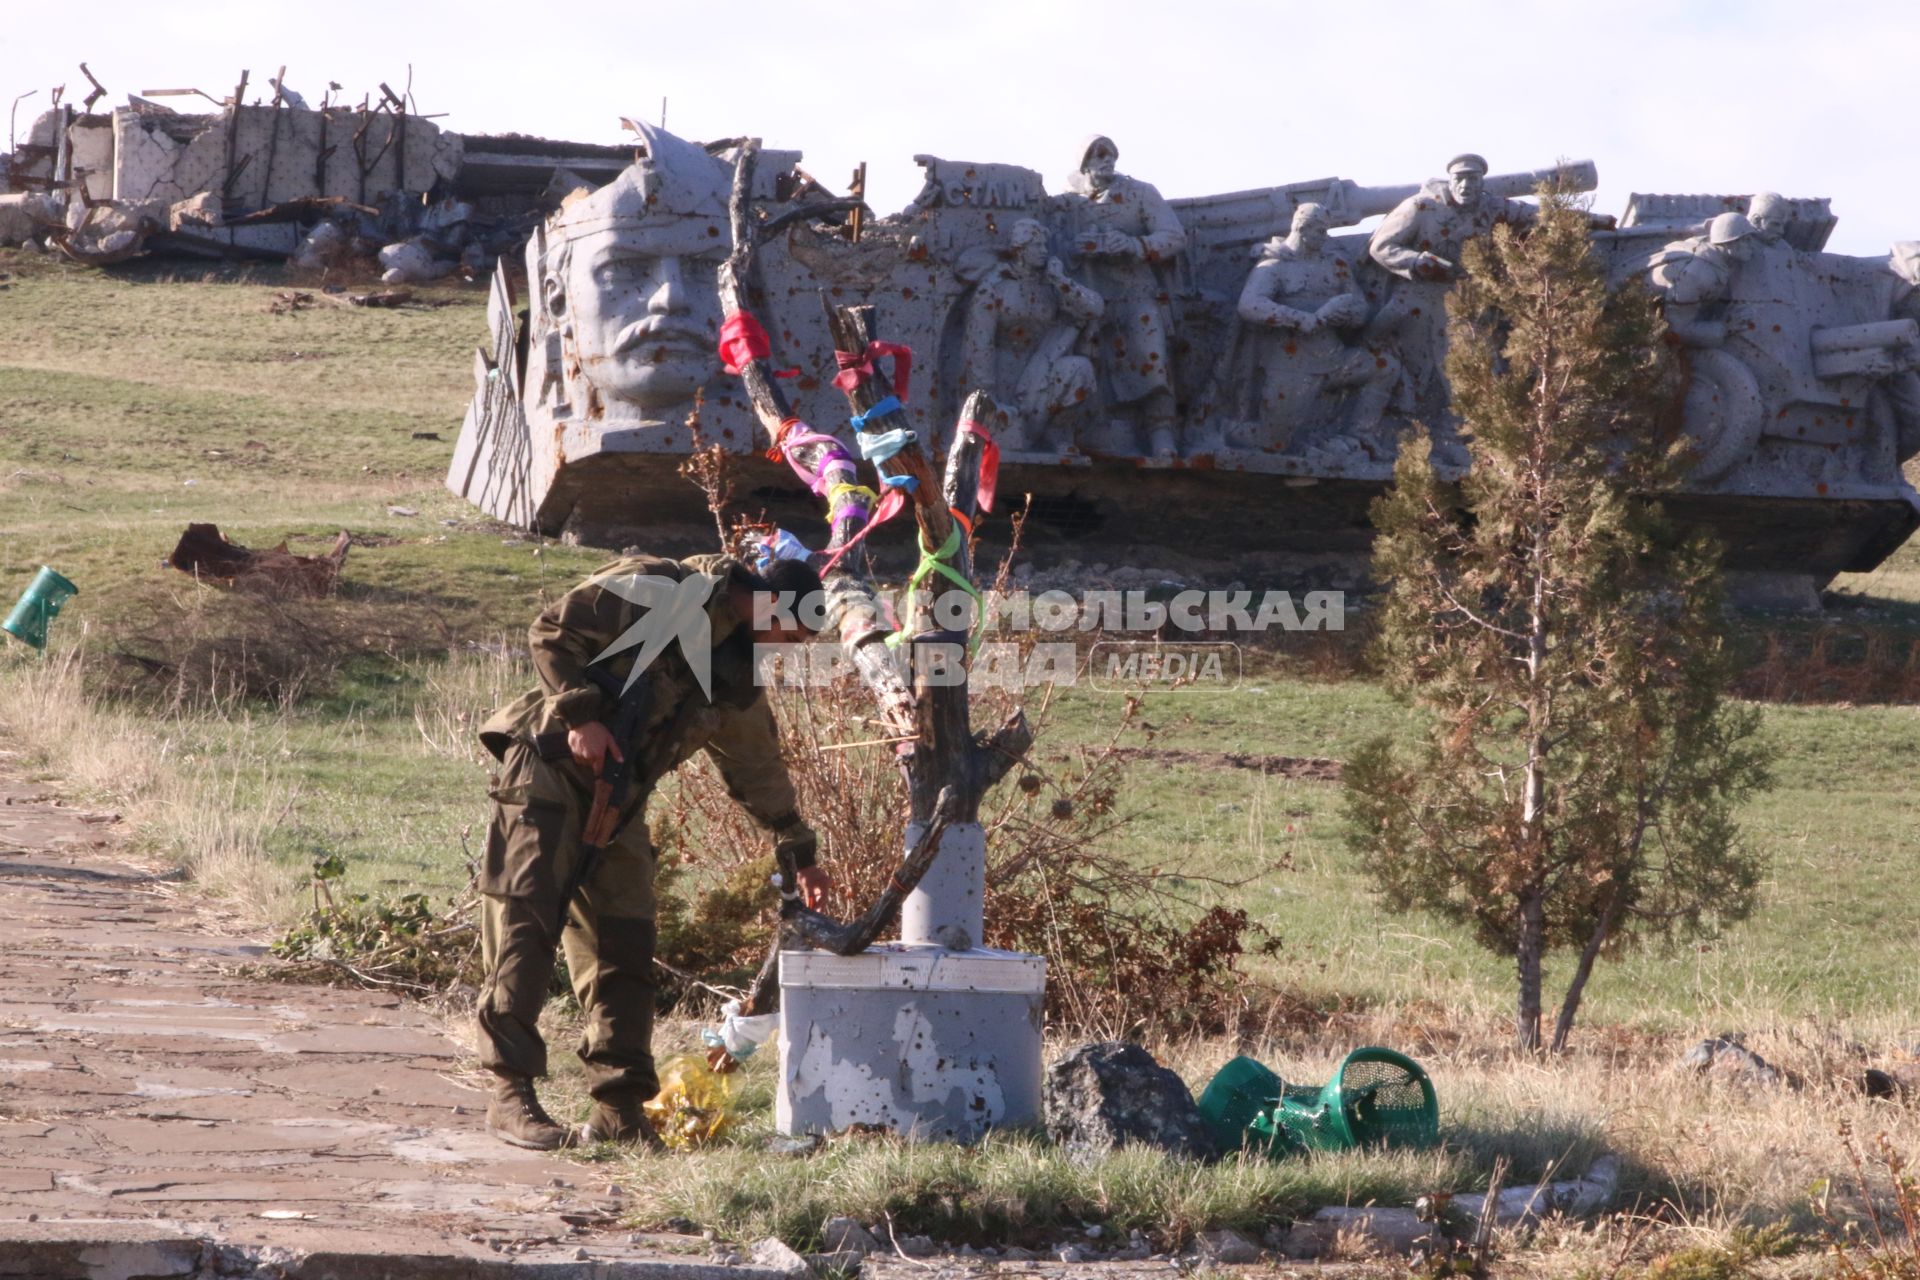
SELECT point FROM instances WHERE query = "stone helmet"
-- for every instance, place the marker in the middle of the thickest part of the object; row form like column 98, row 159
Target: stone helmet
column 1728, row 227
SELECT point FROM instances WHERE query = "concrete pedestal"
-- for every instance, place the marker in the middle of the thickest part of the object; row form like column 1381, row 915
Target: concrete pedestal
column 925, row 1040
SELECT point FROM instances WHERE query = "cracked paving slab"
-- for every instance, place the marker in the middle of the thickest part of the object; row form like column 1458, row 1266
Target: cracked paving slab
column 163, row 1103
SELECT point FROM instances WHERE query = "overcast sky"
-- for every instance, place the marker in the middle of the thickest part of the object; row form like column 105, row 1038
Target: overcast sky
column 1200, row 95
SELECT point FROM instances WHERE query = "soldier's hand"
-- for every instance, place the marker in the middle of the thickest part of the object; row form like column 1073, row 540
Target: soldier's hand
column 816, row 886
column 590, row 744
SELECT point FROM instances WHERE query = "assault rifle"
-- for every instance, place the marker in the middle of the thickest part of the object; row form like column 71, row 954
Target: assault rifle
column 610, row 789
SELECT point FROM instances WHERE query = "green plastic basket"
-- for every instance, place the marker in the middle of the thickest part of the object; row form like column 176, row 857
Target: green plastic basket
column 38, row 607
column 1377, row 1098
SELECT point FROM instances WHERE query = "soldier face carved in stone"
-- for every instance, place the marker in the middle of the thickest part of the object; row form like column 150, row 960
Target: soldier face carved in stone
column 644, row 312
column 1769, row 213
column 1466, row 176
column 1098, row 164
column 1310, row 229
column 629, row 278
column 1029, row 239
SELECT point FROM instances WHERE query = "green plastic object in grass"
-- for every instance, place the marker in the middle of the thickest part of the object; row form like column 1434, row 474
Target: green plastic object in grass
column 1377, row 1098
column 38, row 607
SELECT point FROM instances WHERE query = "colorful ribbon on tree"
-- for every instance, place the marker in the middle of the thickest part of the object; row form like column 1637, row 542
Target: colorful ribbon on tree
column 889, row 405
column 890, row 504
column 742, row 341
column 790, row 435
column 932, row 562
column 877, row 446
column 989, row 462
column 856, row 368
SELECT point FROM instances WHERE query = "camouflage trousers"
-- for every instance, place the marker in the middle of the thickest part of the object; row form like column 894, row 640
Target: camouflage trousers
column 533, row 846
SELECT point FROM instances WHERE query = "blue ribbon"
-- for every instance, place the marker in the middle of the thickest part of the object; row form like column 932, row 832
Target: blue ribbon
column 889, row 405
column 909, row 483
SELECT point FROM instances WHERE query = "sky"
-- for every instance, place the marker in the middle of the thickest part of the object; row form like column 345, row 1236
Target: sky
column 1200, row 96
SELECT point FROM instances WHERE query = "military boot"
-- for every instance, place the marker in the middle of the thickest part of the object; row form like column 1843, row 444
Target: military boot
column 515, row 1116
column 620, row 1120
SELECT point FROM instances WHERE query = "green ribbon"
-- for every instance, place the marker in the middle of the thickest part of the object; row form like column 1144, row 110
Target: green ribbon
column 932, row 562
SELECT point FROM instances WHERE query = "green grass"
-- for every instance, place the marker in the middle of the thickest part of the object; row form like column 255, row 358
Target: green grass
column 134, row 404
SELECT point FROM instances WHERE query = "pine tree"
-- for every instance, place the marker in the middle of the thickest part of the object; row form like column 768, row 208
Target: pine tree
column 1575, row 785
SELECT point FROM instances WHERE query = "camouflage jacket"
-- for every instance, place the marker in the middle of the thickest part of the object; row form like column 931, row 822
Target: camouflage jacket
column 734, row 726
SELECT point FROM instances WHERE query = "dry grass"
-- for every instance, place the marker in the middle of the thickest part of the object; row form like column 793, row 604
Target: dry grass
column 208, row 812
column 458, row 692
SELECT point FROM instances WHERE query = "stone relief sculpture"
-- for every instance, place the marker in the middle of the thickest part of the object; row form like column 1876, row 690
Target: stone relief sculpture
column 1124, row 237
column 1304, row 313
column 1023, row 324
column 627, row 317
column 1694, row 279
column 1251, row 340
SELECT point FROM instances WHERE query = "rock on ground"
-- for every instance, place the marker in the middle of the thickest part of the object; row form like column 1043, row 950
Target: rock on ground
column 1727, row 1056
column 846, row 1235
column 1107, row 1095
column 1227, row 1248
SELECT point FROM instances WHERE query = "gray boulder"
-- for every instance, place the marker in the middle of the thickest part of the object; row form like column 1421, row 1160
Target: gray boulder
column 1113, row 1094
column 1727, row 1057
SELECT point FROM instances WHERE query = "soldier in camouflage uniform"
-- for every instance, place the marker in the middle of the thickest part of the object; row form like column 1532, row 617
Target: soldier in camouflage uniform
column 550, row 743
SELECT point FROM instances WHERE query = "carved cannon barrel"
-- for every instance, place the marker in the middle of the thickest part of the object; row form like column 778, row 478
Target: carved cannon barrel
column 1861, row 337
column 1242, row 217
column 1851, row 350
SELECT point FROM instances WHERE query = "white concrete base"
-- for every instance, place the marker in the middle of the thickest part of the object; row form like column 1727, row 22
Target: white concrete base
column 922, row 1040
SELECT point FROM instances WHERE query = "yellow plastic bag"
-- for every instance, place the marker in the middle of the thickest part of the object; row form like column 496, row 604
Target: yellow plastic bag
column 694, row 1105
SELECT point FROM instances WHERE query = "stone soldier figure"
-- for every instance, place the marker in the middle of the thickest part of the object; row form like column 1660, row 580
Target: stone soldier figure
column 1420, row 242
column 1125, row 235
column 1695, row 278
column 1305, row 296
column 1022, row 324
column 699, row 693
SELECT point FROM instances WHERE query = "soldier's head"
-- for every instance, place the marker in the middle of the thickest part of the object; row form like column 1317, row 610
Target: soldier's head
column 628, row 276
column 1732, row 235
column 1028, row 241
column 1769, row 212
column 1310, row 225
column 1097, row 162
column 1466, row 174
column 782, row 604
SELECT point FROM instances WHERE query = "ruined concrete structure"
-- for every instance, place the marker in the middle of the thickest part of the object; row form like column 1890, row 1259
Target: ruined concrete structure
column 1238, row 353
column 251, row 178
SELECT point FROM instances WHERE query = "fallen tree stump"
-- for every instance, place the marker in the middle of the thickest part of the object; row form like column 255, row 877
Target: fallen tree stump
column 206, row 554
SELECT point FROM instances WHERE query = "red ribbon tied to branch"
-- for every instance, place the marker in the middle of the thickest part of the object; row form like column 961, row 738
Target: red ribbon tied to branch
column 989, row 461
column 742, row 341
column 857, row 368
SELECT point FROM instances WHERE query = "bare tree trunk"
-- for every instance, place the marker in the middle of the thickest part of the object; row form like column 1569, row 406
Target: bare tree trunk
column 1570, row 1005
column 1533, row 834
column 1527, row 956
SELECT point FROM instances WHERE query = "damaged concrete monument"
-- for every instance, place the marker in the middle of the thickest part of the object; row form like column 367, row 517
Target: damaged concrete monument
column 1242, row 352
column 276, row 178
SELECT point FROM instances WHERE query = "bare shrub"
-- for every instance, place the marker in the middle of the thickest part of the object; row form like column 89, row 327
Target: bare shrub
column 1127, row 947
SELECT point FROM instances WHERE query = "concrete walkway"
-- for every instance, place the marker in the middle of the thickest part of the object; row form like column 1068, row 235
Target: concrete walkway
column 162, row 1113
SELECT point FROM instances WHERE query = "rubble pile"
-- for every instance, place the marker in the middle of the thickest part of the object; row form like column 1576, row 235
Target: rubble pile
column 337, row 188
